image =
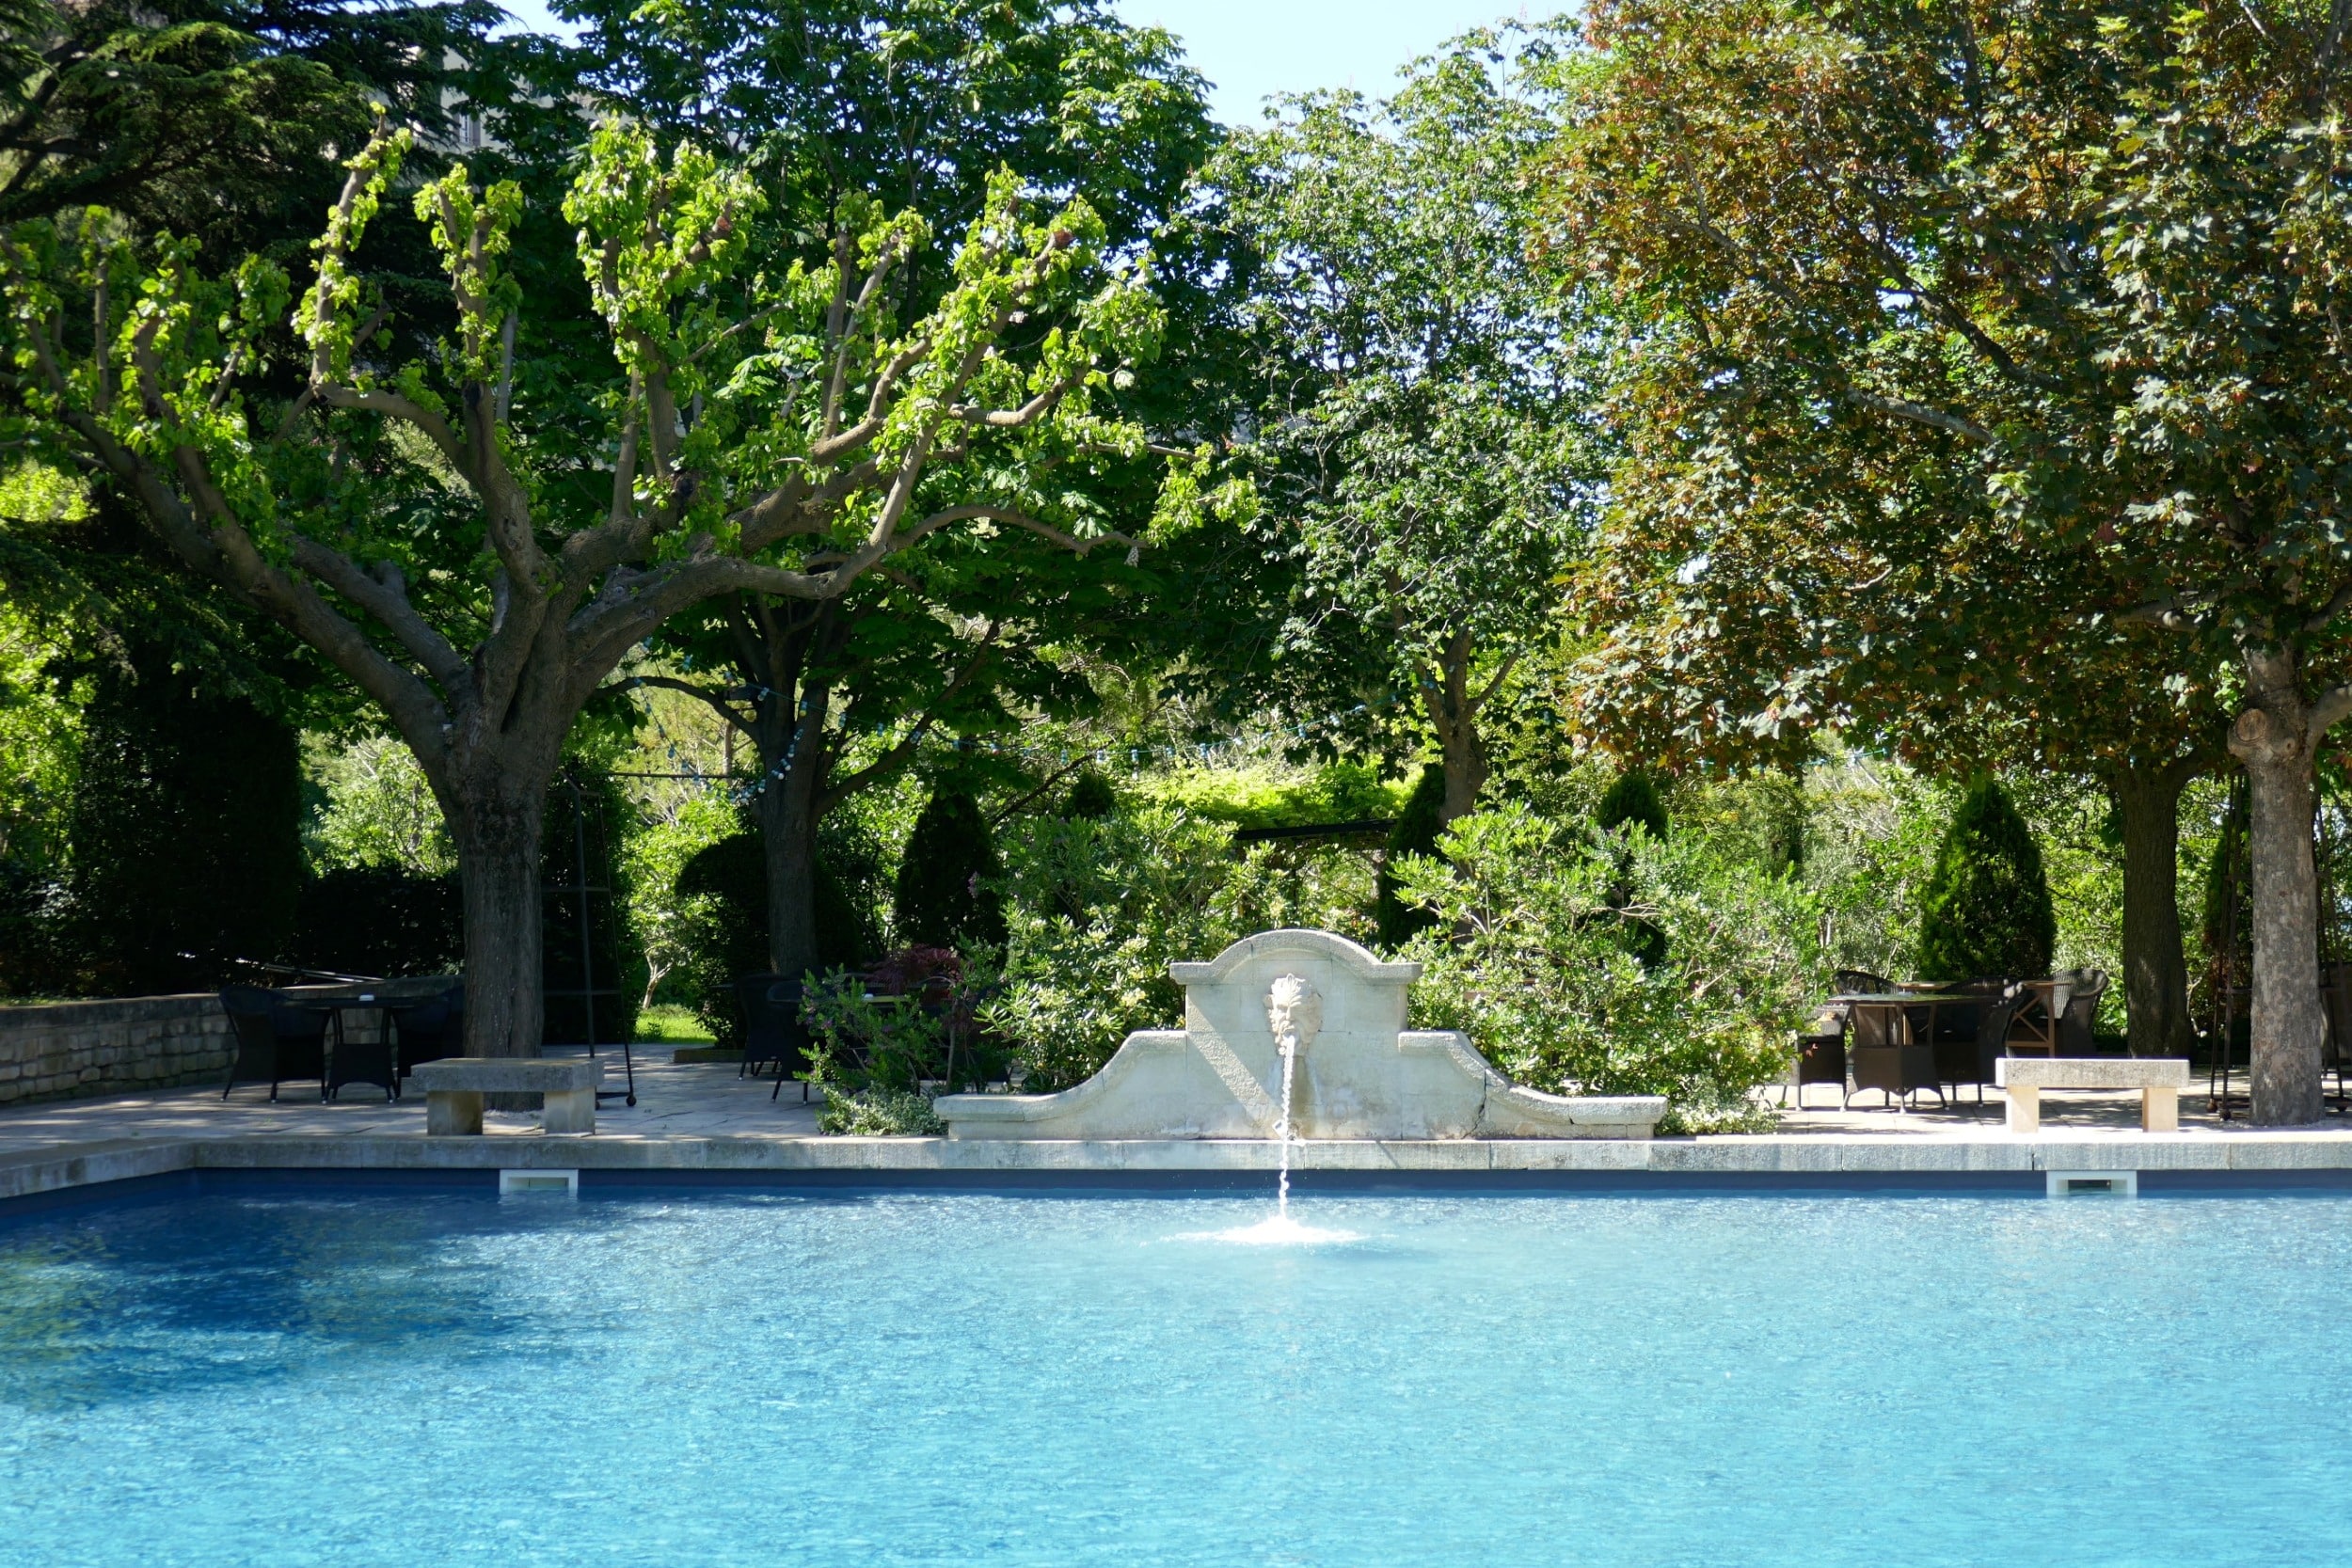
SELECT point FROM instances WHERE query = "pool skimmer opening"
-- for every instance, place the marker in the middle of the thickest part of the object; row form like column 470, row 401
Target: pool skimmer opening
column 566, row 1182
column 2094, row 1183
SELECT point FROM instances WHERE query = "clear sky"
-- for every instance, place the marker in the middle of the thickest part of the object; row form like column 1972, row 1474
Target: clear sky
column 1251, row 48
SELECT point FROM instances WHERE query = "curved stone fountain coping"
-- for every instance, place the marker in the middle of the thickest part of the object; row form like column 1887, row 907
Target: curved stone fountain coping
column 1363, row 1075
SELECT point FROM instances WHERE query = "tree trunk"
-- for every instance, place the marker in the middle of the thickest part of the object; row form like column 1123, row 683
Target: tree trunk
column 495, row 819
column 787, row 837
column 2155, row 971
column 2273, row 738
column 1454, row 714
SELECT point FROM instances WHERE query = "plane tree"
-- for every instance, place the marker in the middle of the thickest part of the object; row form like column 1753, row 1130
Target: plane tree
column 440, row 531
column 914, row 103
column 2058, row 278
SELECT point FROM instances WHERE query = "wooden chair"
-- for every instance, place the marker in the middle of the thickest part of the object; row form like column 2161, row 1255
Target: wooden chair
column 2033, row 1026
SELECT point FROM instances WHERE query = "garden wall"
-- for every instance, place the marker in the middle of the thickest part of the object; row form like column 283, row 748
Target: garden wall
column 61, row 1050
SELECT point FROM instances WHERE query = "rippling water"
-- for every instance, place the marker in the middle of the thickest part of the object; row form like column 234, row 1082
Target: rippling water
column 263, row 1377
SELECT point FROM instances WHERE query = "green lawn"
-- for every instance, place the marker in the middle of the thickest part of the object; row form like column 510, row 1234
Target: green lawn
column 672, row 1025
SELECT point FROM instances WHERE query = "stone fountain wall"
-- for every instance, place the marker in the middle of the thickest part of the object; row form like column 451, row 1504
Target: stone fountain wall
column 1359, row 1073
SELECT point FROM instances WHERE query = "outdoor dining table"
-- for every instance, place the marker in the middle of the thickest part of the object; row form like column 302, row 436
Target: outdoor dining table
column 2042, row 1023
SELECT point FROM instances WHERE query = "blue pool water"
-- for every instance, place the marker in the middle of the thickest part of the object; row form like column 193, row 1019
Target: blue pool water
column 422, row 1377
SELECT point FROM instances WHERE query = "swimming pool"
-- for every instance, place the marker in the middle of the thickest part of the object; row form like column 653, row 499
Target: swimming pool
column 273, row 1375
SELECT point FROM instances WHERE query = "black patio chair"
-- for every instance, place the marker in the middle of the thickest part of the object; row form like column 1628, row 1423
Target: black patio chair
column 430, row 1030
column 1970, row 1040
column 773, row 1030
column 2335, row 1007
column 277, row 1041
column 1888, row 1059
column 1821, row 1059
column 361, row 1061
column 1861, row 982
column 2079, row 1013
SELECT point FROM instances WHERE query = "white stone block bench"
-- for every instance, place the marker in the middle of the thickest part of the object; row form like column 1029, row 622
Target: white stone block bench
column 453, row 1088
column 2158, row 1079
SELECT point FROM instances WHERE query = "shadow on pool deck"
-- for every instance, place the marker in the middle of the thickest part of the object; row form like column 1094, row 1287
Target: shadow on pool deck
column 700, row 1100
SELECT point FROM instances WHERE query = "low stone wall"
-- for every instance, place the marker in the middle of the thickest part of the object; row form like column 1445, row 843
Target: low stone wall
column 65, row 1049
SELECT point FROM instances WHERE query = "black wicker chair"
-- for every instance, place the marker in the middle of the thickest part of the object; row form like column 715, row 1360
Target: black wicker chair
column 773, row 1030
column 361, row 1061
column 429, row 1030
column 277, row 1041
column 2079, row 1015
column 1821, row 1059
column 1885, row 1058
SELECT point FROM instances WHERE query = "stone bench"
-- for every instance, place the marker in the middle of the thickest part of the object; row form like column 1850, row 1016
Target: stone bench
column 2158, row 1079
column 453, row 1088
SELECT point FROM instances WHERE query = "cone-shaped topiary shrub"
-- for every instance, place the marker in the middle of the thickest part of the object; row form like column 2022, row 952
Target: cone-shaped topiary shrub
column 943, row 899
column 1634, row 798
column 1415, row 834
column 1091, row 797
column 1986, row 909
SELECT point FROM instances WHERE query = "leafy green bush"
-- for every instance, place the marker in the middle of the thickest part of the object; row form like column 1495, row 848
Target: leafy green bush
column 186, row 835
column 1097, row 910
column 1986, row 909
column 878, row 1114
column 1527, row 957
column 382, row 920
column 947, row 891
column 1415, row 834
column 911, row 1025
column 1633, row 803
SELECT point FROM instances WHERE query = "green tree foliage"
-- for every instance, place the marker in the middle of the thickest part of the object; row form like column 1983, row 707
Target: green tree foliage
column 1634, row 799
column 217, row 118
column 1880, row 457
column 1416, row 832
column 947, row 894
column 1986, row 909
column 1423, row 450
column 722, row 891
column 1526, row 958
column 757, row 420
column 186, row 836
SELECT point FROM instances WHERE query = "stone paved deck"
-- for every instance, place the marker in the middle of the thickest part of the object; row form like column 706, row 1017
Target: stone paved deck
column 702, row 1117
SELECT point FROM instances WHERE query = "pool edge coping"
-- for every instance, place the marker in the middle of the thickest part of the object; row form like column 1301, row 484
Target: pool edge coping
column 1748, row 1160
